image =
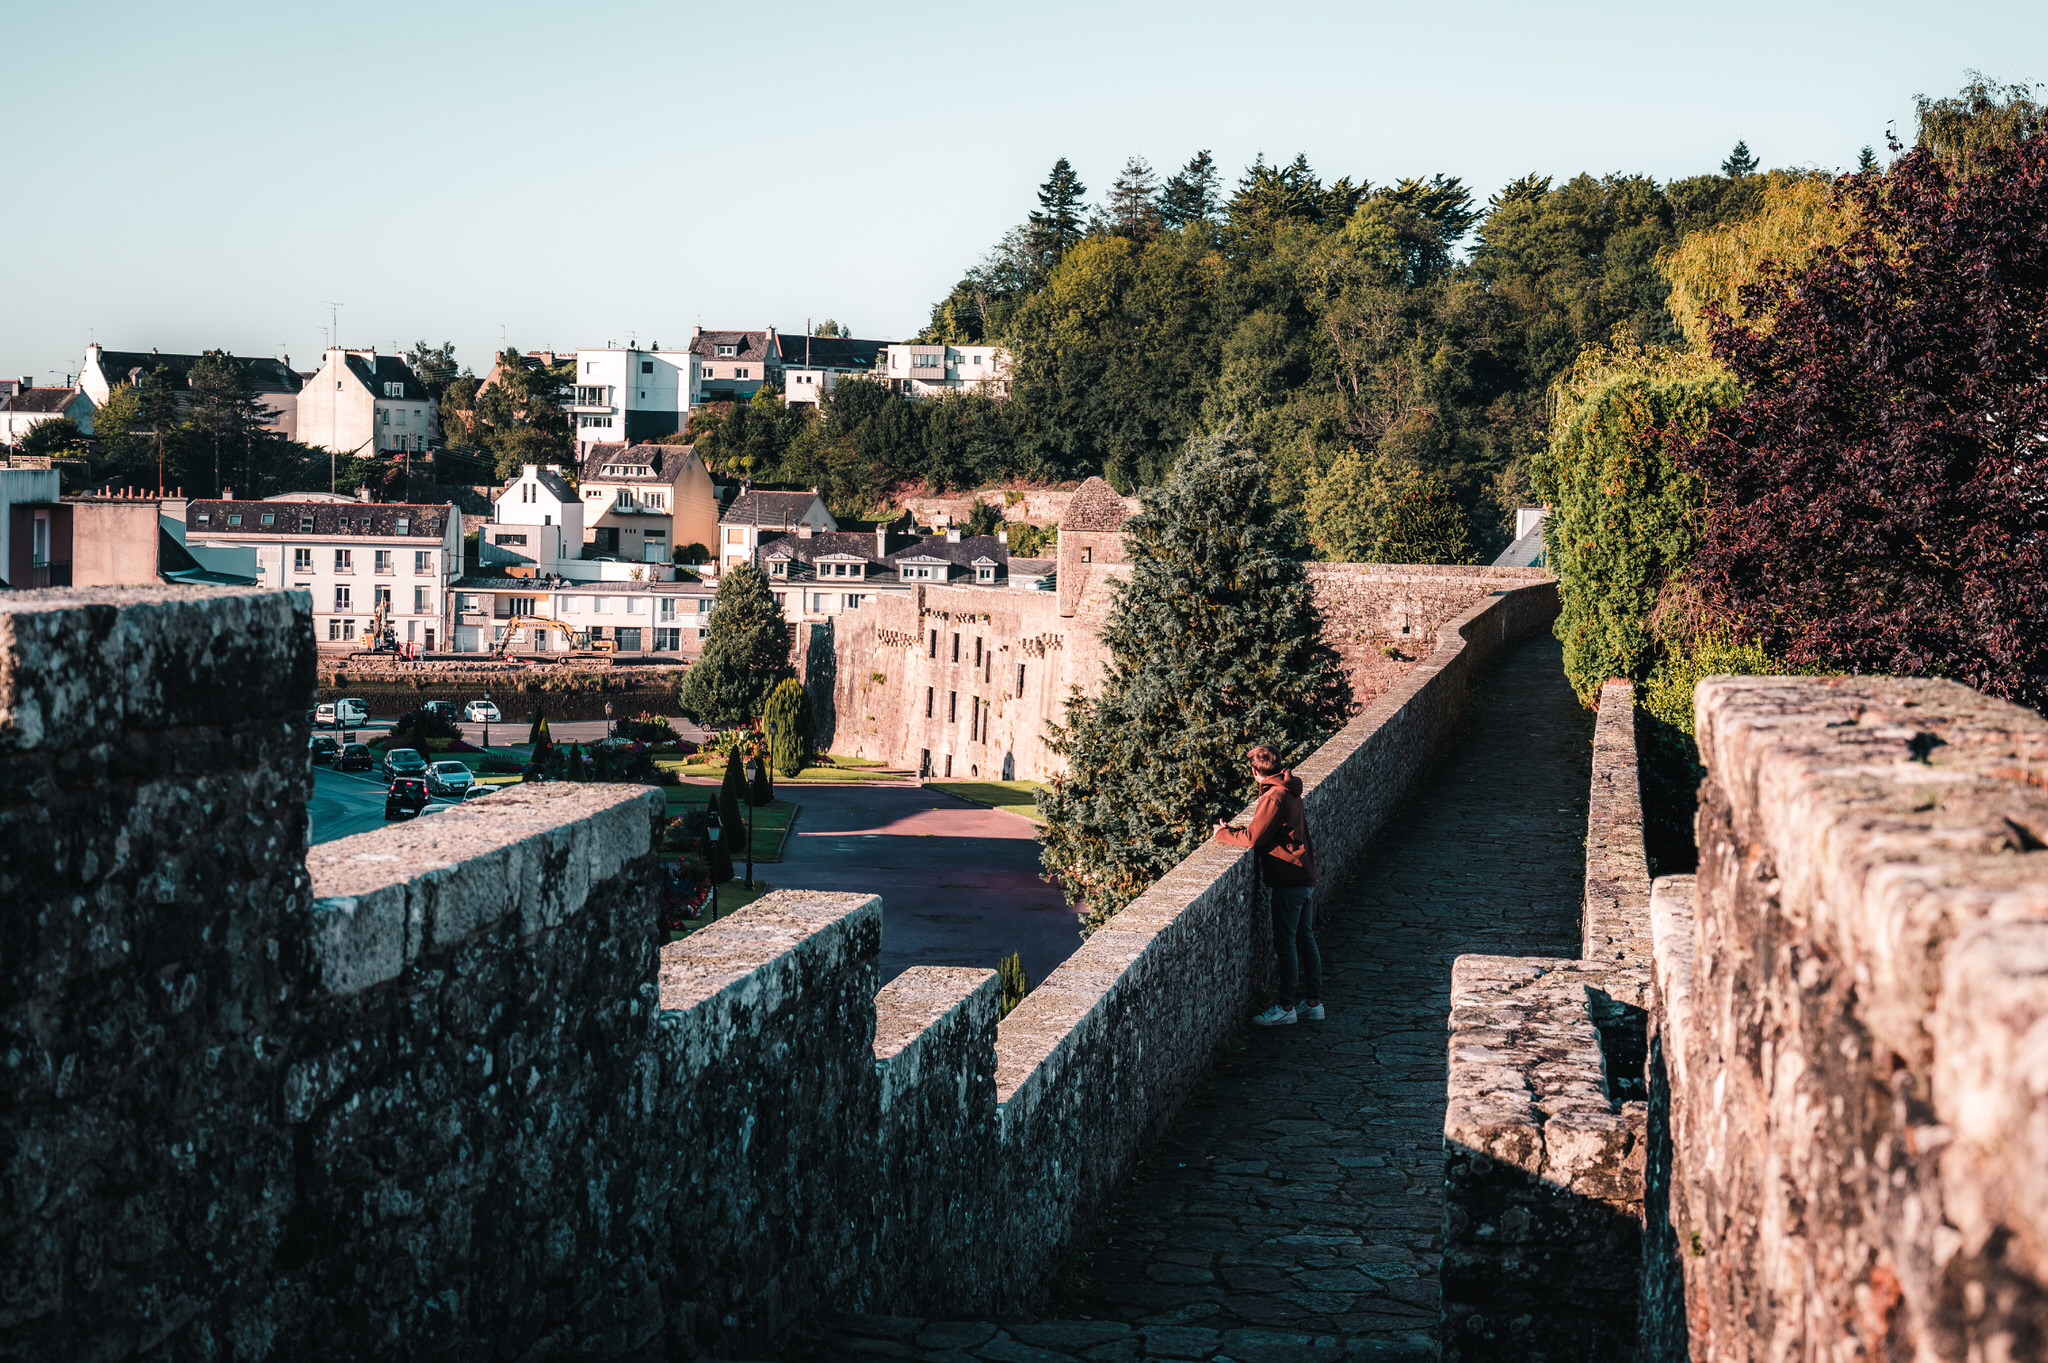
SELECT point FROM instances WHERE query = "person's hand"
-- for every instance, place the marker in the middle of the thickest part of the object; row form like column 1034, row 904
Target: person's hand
column 1220, row 826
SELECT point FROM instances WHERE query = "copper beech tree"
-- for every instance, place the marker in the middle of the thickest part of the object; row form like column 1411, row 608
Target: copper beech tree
column 1878, row 499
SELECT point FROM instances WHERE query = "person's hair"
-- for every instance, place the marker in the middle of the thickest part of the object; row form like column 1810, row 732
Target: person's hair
column 1264, row 760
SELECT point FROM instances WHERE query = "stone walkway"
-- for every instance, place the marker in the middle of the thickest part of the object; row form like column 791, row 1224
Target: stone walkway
column 1292, row 1211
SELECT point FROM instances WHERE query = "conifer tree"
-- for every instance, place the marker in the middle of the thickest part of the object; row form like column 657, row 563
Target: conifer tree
column 1215, row 644
column 795, row 731
column 732, row 794
column 1056, row 228
column 746, row 652
column 1739, row 162
column 1130, row 211
column 1190, row 196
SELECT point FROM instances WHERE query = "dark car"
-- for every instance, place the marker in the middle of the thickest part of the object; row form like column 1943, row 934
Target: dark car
column 407, row 795
column 356, row 757
column 443, row 708
column 322, row 749
column 405, row 762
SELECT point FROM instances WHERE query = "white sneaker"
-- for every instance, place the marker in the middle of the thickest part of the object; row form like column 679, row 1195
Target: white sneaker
column 1309, row 1012
column 1276, row 1016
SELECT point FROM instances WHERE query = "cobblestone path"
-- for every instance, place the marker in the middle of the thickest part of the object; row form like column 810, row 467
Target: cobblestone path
column 1292, row 1211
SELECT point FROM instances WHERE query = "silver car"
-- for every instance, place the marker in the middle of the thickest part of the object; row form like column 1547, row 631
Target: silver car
column 481, row 712
column 450, row 779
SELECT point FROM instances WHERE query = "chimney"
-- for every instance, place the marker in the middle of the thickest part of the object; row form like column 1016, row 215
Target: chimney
column 803, row 530
column 953, row 535
column 227, row 494
column 881, row 541
column 1002, row 537
column 363, row 493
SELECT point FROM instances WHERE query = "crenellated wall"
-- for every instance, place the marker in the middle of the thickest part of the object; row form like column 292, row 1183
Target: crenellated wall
column 438, row 1091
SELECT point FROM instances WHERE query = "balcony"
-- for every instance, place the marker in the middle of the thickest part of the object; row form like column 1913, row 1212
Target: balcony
column 48, row 575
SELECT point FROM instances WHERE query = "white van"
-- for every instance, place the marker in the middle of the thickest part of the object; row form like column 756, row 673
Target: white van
column 352, row 712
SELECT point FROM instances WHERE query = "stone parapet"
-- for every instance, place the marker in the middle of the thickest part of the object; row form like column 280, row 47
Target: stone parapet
column 1858, row 1100
column 1546, row 1115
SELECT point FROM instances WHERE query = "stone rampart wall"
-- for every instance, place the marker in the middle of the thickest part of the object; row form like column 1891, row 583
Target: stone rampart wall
column 1544, row 1127
column 1852, row 1025
column 436, row 1086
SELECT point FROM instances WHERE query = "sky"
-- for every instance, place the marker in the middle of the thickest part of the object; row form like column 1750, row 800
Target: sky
column 222, row 175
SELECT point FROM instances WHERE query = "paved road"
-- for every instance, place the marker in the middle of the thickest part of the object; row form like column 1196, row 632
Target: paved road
column 346, row 802
column 959, row 884
column 1292, row 1211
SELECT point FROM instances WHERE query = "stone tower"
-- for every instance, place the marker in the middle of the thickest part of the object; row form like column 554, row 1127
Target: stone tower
column 1091, row 534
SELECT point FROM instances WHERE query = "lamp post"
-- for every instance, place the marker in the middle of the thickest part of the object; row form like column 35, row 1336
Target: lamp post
column 752, row 777
column 607, row 719
column 487, row 722
column 714, row 829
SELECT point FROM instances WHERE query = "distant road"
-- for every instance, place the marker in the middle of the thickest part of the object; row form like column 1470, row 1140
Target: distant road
column 346, row 802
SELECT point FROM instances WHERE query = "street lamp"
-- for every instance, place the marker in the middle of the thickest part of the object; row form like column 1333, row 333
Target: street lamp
column 607, row 719
column 487, row 721
column 713, row 828
column 753, row 777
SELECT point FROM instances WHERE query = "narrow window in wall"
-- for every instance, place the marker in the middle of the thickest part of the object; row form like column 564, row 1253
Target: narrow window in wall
column 973, row 718
column 935, row 643
column 977, row 650
column 928, row 702
column 949, row 764
column 1020, row 681
column 956, row 648
column 952, row 707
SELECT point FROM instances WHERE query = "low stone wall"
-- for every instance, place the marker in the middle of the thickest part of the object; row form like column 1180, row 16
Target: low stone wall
column 436, row 1087
column 1546, row 1117
column 1853, row 1023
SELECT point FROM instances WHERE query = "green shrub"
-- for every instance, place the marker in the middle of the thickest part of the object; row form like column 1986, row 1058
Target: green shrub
column 1013, row 982
column 796, row 735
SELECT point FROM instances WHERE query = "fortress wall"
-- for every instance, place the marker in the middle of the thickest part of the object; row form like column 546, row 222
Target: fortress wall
column 1853, row 1019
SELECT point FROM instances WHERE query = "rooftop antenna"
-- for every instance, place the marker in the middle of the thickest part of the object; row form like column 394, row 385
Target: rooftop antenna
column 501, row 336
column 334, row 324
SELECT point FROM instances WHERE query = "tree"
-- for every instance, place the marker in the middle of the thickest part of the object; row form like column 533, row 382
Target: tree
column 58, row 435
column 746, row 652
column 435, row 366
column 1866, row 160
column 225, row 410
column 1190, row 195
column 1366, row 509
column 796, row 733
column 1982, row 115
column 1215, row 644
column 1056, row 228
column 732, row 795
column 1739, row 162
column 1130, row 211
column 1875, row 499
column 828, row 327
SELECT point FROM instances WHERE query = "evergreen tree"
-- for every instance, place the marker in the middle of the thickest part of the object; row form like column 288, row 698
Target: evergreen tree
column 1215, row 644
column 1866, row 161
column 1056, row 228
column 227, row 414
column 1190, row 196
column 1365, row 509
column 1739, row 162
column 1130, row 211
column 732, row 797
column 796, row 734
column 746, row 652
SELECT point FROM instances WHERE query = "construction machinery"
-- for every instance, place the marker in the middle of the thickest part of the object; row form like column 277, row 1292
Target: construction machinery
column 537, row 627
column 378, row 636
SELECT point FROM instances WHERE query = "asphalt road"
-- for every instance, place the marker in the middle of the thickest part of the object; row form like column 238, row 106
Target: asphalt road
column 346, row 802
column 959, row 884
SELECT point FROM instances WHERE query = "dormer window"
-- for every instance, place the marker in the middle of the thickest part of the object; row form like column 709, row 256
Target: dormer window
column 985, row 573
column 394, row 390
column 405, row 525
column 778, row 568
column 728, row 350
column 267, row 519
column 305, row 525
column 203, row 518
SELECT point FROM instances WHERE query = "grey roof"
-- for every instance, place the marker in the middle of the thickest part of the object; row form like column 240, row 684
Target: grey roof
column 768, row 508
column 1095, row 506
column 1526, row 552
column 661, row 460
column 830, row 352
column 1031, row 567
column 40, row 400
column 962, row 552
column 330, row 519
column 264, row 375
column 388, row 369
column 747, row 345
column 860, row 544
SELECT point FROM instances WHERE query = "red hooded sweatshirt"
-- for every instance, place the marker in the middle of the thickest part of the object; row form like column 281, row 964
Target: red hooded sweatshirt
column 1278, row 832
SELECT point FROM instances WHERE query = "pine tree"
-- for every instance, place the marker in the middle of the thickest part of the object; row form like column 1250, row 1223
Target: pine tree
column 1130, row 211
column 795, row 732
column 1190, row 196
column 1056, row 228
column 746, row 652
column 732, row 796
column 1739, row 162
column 1866, row 161
column 1215, row 644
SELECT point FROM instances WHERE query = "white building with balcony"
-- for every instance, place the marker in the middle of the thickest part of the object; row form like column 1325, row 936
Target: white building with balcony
column 926, row 371
column 630, row 395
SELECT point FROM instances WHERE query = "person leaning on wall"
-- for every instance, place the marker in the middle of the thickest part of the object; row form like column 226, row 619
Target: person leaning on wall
column 1279, row 837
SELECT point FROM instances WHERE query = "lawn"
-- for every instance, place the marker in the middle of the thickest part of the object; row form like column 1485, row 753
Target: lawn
column 770, row 822
column 1019, row 797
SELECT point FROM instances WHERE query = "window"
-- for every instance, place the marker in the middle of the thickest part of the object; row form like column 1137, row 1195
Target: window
column 522, row 605
column 592, row 395
column 977, row 359
column 344, row 560
column 973, row 718
column 383, row 564
column 401, row 416
column 601, row 605
column 1020, row 681
column 778, row 568
column 302, row 560
column 629, row 639
column 465, row 601
column 395, row 390
column 636, row 606
column 727, row 350
column 952, row 707
column 341, row 597
column 949, row 764
column 203, row 518
column 404, row 525
column 419, row 601
column 337, row 629
column 853, row 600
column 926, row 360
column 305, row 525
column 647, row 366
column 668, row 608
column 735, row 536
column 818, row 600
column 509, row 539
column 984, row 573
column 267, row 519
column 739, row 373
column 423, row 560
column 935, row 643
column 928, row 702
column 667, row 640
column 977, row 650
column 383, row 597
column 387, row 416
column 956, row 648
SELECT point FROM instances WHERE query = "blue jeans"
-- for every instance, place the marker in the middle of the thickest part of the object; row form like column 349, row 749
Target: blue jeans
column 1294, row 941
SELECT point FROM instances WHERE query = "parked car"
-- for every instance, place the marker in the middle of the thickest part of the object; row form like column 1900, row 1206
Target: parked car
column 322, row 749
column 443, row 708
column 350, row 712
column 405, row 762
column 451, row 779
column 356, row 757
column 481, row 712
column 407, row 795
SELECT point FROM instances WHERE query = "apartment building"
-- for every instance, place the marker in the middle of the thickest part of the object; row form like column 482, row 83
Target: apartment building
column 648, row 618
column 360, row 402
column 274, row 382
column 349, row 555
column 645, row 502
column 754, row 515
column 926, row 371
column 813, row 365
column 630, row 395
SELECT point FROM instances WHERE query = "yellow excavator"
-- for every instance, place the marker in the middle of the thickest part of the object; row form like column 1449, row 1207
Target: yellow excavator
column 378, row 636
column 581, row 645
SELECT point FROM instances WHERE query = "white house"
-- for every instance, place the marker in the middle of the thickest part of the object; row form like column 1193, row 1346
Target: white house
column 536, row 523
column 273, row 382
column 349, row 555
column 363, row 403
column 31, row 407
column 925, row 371
column 644, row 617
column 755, row 515
column 631, row 395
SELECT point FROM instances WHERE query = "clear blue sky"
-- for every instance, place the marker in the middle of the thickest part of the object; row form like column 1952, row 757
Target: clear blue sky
column 200, row 175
